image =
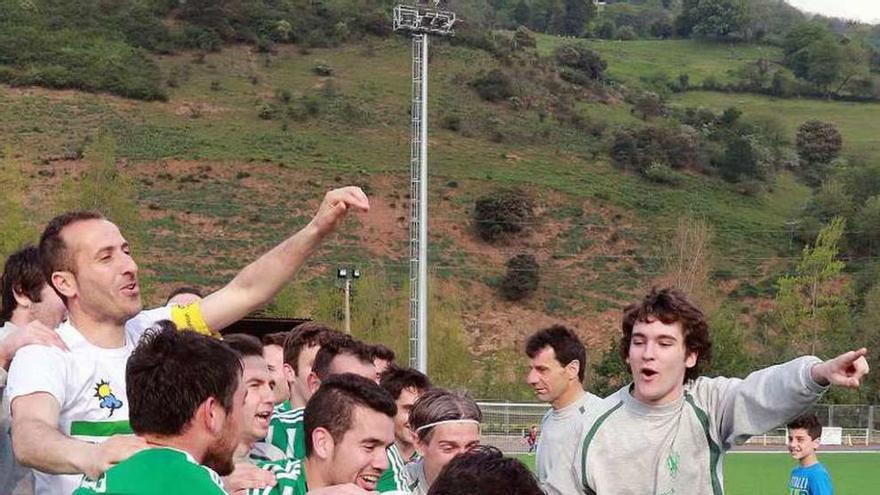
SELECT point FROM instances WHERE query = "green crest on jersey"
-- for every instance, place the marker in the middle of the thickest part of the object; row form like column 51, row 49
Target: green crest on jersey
column 672, row 463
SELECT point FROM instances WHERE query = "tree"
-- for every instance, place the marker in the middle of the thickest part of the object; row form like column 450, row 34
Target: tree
column 688, row 260
column 867, row 226
column 522, row 13
column 521, row 279
column 818, row 142
column 714, row 18
column 581, row 58
column 806, row 299
column 507, row 211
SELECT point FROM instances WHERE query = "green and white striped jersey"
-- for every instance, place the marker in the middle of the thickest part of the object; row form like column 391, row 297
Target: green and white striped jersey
column 287, row 431
column 394, row 478
column 290, row 475
column 162, row 470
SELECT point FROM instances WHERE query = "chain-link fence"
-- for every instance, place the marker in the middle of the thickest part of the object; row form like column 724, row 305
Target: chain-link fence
column 506, row 425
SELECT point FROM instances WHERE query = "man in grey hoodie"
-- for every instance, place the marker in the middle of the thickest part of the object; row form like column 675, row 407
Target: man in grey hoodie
column 667, row 431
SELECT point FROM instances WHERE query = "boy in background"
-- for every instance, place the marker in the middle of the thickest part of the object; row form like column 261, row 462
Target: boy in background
column 810, row 477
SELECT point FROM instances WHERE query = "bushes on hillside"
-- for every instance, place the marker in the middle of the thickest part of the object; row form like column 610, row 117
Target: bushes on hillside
column 637, row 149
column 494, row 85
column 580, row 58
column 521, row 279
column 818, row 142
column 70, row 60
column 501, row 213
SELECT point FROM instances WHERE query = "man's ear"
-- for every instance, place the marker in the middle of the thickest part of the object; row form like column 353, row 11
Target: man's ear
column 64, row 283
column 323, row 444
column 21, row 299
column 313, row 382
column 289, row 375
column 211, row 415
column 573, row 368
column 690, row 359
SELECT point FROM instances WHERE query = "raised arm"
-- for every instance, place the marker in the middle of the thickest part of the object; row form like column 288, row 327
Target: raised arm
column 38, row 443
column 773, row 396
column 258, row 282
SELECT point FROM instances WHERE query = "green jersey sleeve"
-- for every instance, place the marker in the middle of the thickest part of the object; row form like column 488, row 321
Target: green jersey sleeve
column 290, row 477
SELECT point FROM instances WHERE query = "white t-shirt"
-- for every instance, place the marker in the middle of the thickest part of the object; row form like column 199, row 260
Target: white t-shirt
column 87, row 381
column 559, row 441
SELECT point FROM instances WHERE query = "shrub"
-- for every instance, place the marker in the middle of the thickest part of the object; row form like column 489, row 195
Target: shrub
column 503, row 212
column 266, row 111
column 648, row 104
column 283, row 95
column 662, row 173
column 521, row 279
column 494, row 85
column 583, row 59
column 627, row 33
column 638, row 149
column 323, row 70
column 606, row 30
column 818, row 142
column 523, row 38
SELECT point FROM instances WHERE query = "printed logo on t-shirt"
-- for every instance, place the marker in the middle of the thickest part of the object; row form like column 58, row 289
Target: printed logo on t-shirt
column 105, row 394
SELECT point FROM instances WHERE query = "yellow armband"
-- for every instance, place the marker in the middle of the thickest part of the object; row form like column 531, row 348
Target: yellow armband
column 190, row 317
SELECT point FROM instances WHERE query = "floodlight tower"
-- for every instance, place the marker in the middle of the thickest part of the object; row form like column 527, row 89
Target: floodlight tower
column 420, row 20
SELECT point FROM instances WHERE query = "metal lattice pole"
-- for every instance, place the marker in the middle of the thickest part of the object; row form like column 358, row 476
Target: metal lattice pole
column 421, row 21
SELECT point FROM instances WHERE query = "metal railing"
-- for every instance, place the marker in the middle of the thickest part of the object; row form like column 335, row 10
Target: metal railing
column 506, row 424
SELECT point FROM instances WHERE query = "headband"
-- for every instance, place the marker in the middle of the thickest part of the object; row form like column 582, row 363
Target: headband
column 447, row 421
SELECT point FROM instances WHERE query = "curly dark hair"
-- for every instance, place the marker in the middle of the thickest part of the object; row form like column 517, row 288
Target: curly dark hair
column 486, row 471
column 671, row 305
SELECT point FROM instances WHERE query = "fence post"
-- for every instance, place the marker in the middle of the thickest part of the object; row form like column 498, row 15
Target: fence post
column 870, row 424
column 831, row 415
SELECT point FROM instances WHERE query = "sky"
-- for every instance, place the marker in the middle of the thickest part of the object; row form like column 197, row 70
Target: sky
column 863, row 10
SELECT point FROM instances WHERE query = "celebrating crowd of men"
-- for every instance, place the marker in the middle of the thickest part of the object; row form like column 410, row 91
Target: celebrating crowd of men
column 105, row 397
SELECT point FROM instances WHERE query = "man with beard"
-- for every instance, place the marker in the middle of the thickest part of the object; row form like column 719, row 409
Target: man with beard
column 349, row 424
column 186, row 395
column 70, row 409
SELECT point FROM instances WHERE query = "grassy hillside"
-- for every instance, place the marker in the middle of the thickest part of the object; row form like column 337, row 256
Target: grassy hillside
column 238, row 156
column 634, row 61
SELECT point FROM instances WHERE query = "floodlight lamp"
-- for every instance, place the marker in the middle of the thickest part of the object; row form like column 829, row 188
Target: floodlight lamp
column 342, row 272
column 355, row 273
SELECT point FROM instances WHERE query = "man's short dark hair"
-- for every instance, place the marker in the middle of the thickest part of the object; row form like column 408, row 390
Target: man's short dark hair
column 243, row 344
column 171, row 373
column 565, row 344
column 22, row 275
column 396, row 379
column 382, row 352
column 184, row 290
column 336, row 347
column 306, row 335
column 671, row 305
column 277, row 338
column 55, row 255
column 486, row 471
column 332, row 406
column 808, row 422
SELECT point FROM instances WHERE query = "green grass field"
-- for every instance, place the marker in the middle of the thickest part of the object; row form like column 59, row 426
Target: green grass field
column 767, row 474
column 632, row 61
